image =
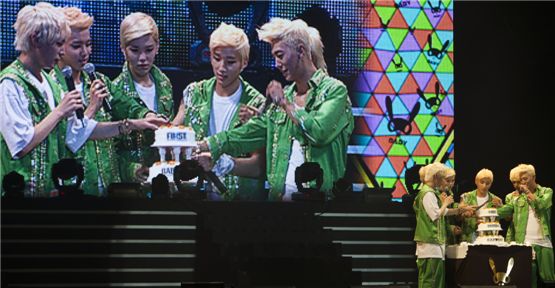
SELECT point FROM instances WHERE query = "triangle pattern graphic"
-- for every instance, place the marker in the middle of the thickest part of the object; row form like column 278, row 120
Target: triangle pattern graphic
column 410, row 14
column 397, row 21
column 409, row 86
column 397, row 79
column 397, row 61
column 433, row 17
column 373, row 149
column 373, row 107
column 373, row 121
column 386, row 169
column 385, row 43
column 373, row 162
column 360, row 99
column 410, row 44
column 446, row 23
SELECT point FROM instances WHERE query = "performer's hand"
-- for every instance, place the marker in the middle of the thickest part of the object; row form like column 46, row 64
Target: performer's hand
column 147, row 123
column 97, row 93
column 531, row 196
column 468, row 210
column 457, row 230
column 162, row 117
column 202, row 146
column 141, row 174
column 497, row 202
column 205, row 160
column 275, row 92
column 246, row 112
column 467, row 214
column 71, row 102
column 448, row 200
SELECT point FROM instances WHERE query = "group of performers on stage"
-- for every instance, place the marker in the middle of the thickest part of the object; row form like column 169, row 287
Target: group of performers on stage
column 440, row 222
column 108, row 125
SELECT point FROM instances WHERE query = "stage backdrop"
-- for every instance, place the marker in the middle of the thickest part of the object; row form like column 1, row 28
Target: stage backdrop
column 400, row 53
column 404, row 95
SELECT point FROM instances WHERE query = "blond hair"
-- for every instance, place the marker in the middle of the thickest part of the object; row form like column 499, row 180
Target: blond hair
column 43, row 20
column 422, row 172
column 435, row 170
column 77, row 19
column 514, row 175
column 526, row 168
column 137, row 25
column 295, row 33
column 227, row 35
column 484, row 173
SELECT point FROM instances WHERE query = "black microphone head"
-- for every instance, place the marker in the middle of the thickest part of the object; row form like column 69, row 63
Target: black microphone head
column 67, row 71
column 89, row 68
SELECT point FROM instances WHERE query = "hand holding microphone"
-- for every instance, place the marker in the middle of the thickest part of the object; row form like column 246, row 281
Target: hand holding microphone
column 67, row 71
column 98, row 87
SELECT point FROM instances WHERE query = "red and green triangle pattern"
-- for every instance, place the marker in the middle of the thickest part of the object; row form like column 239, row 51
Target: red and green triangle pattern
column 407, row 62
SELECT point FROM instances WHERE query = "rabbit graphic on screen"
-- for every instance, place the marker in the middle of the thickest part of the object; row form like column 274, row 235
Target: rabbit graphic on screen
column 434, row 52
column 432, row 102
column 400, row 125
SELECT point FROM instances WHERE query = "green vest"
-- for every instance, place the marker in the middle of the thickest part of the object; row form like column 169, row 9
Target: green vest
column 134, row 149
column 197, row 115
column 428, row 231
column 36, row 166
column 469, row 225
column 98, row 157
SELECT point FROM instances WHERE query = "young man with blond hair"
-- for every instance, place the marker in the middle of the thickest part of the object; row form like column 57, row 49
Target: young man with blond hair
column 33, row 110
column 309, row 121
column 479, row 197
column 145, row 84
column 530, row 208
column 224, row 102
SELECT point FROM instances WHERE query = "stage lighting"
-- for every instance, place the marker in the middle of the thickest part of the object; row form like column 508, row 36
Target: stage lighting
column 183, row 176
column 13, row 185
column 342, row 189
column 308, row 178
column 67, row 175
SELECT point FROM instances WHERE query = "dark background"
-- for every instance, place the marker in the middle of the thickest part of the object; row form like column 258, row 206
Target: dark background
column 503, row 73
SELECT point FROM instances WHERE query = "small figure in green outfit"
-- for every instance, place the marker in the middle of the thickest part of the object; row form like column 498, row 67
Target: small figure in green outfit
column 479, row 197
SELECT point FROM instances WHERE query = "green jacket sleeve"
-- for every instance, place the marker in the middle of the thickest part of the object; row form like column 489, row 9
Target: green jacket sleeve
column 327, row 119
column 543, row 200
column 246, row 138
column 506, row 210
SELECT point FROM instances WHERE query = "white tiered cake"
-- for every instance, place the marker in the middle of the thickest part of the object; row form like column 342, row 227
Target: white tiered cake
column 488, row 230
column 176, row 138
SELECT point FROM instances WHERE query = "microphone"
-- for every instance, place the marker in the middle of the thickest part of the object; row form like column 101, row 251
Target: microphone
column 67, row 71
column 189, row 169
column 217, row 182
column 89, row 69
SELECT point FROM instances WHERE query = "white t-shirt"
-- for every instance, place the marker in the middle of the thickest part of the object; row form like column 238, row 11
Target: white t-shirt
column 148, row 95
column 534, row 233
column 430, row 250
column 223, row 110
column 16, row 124
column 296, row 159
column 482, row 200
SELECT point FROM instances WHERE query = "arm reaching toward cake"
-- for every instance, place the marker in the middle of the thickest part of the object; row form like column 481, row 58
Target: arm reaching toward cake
column 104, row 130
